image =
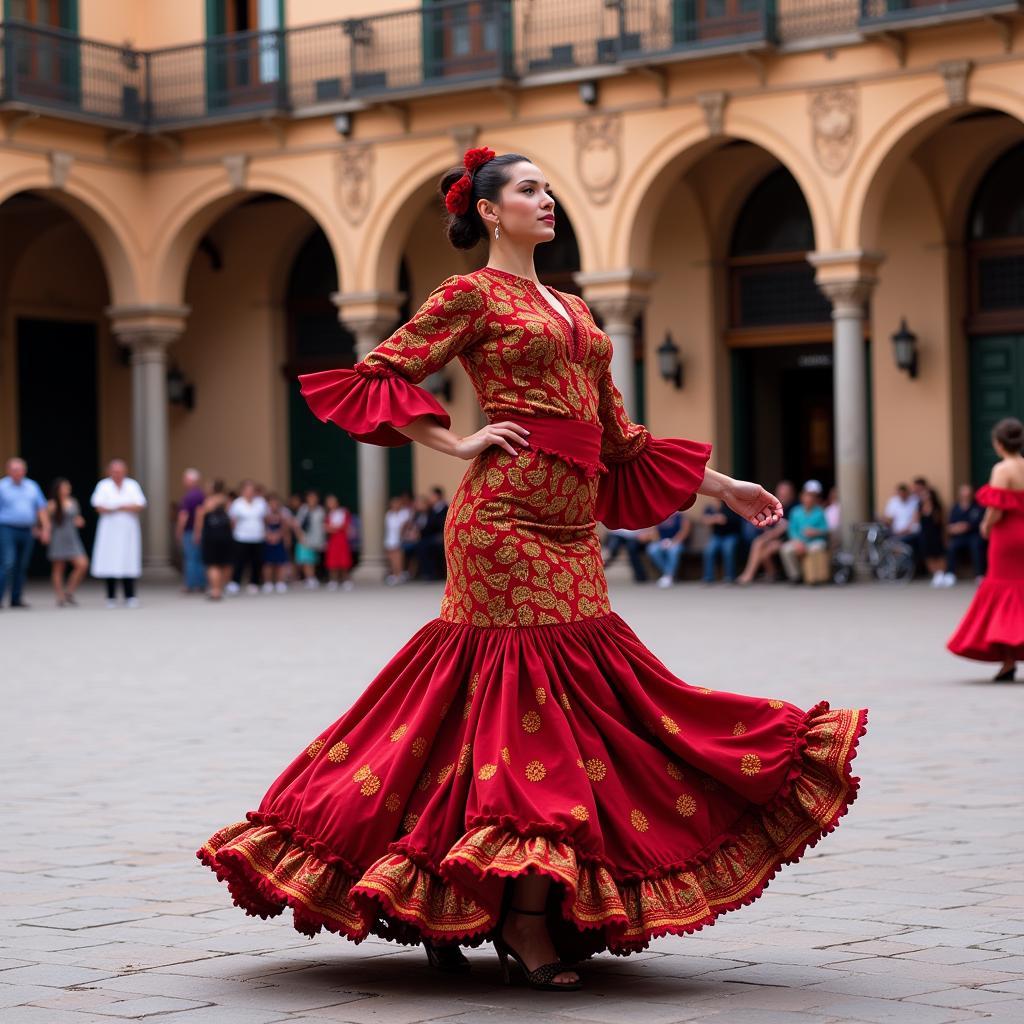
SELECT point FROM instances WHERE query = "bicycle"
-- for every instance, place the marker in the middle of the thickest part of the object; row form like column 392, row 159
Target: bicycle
column 886, row 558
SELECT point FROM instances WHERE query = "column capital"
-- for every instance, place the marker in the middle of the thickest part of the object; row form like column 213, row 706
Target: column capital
column 846, row 277
column 617, row 295
column 147, row 329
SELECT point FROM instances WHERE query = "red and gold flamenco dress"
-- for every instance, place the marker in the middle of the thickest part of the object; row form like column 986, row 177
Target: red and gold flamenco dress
column 527, row 729
column 993, row 628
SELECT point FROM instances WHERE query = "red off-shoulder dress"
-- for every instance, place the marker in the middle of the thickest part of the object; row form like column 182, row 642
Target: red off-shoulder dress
column 527, row 729
column 993, row 628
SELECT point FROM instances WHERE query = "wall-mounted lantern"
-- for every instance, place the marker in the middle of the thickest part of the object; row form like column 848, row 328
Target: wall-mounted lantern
column 179, row 390
column 670, row 362
column 904, row 346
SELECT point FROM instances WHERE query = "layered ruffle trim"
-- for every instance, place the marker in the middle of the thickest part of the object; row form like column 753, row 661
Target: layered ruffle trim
column 269, row 866
column 369, row 402
column 1001, row 498
column 993, row 628
column 663, row 478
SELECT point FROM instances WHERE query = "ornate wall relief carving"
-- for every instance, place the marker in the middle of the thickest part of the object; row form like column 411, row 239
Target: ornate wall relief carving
column 834, row 126
column 599, row 155
column 353, row 181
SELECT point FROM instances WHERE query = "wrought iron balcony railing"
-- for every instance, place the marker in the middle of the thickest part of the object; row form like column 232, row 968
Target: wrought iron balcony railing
column 446, row 45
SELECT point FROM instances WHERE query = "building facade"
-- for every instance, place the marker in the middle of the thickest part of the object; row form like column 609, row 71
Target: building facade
column 200, row 200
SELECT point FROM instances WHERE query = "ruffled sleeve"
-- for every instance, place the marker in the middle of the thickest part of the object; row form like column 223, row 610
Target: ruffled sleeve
column 379, row 393
column 648, row 477
column 1001, row 498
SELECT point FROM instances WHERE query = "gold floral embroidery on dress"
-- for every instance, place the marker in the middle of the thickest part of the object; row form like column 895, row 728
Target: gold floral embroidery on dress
column 540, row 695
column 580, row 813
column 531, row 721
column 393, row 802
column 506, row 756
column 776, row 704
column 399, row 733
column 315, row 747
column 750, row 764
column 638, row 820
column 596, row 769
column 338, row 752
column 674, row 771
column 686, row 805
column 535, row 771
column 563, row 699
column 419, row 746
column 669, row 724
column 370, row 785
column 409, row 822
column 425, row 780
column 486, row 771
column 445, row 774
column 464, row 757
column 362, row 772
column 739, row 729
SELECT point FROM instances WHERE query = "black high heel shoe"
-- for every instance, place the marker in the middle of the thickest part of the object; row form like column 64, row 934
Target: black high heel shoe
column 446, row 957
column 1009, row 676
column 540, row 978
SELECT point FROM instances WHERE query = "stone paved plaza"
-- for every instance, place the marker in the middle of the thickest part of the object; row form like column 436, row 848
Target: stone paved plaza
column 129, row 736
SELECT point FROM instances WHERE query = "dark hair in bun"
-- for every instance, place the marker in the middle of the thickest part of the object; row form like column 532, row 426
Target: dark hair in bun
column 1010, row 434
column 464, row 230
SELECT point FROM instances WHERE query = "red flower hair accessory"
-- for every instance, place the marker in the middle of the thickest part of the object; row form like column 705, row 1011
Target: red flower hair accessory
column 456, row 199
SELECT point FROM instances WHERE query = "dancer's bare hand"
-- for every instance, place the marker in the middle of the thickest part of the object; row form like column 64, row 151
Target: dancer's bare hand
column 754, row 503
column 511, row 437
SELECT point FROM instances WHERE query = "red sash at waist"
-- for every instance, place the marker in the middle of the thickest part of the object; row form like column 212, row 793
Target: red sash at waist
column 575, row 441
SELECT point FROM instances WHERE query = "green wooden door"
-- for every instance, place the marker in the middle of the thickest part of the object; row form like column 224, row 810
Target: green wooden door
column 997, row 390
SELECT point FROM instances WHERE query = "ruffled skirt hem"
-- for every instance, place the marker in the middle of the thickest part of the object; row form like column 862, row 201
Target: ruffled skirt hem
column 403, row 896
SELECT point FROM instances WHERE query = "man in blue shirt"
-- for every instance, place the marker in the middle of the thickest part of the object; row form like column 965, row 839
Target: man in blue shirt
column 23, row 516
column 808, row 530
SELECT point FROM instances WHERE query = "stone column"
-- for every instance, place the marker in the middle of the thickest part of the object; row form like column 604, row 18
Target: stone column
column 369, row 316
column 847, row 279
column 619, row 297
column 147, row 331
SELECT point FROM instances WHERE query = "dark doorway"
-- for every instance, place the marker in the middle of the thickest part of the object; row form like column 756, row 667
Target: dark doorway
column 57, row 410
column 785, row 429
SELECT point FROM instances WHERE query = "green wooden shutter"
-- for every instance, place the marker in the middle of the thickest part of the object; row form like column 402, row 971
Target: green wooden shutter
column 997, row 391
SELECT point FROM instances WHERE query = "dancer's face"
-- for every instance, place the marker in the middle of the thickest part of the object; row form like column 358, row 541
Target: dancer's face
column 526, row 208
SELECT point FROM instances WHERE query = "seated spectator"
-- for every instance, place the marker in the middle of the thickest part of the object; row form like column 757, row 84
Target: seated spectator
column 726, row 527
column 964, row 533
column 807, row 530
column 430, row 549
column 832, row 515
column 767, row 543
column 412, row 530
column 630, row 540
column 900, row 516
column 932, row 535
column 665, row 545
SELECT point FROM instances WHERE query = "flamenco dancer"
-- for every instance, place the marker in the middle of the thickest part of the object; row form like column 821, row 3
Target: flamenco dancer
column 993, row 628
column 524, row 770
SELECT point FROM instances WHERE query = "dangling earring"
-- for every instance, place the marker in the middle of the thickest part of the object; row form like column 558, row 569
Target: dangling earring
column 497, row 231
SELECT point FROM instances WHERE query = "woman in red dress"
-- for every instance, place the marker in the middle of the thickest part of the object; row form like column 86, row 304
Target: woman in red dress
column 524, row 770
column 993, row 628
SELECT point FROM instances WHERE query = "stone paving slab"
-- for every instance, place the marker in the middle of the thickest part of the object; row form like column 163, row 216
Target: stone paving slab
column 133, row 735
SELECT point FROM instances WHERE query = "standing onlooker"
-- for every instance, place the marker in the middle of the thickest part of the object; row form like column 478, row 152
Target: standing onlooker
column 412, row 531
column 185, row 532
column 338, row 554
column 666, row 546
column 65, row 543
column 248, row 520
column 768, row 542
column 430, row 551
column 398, row 514
column 933, row 547
column 117, row 553
column 212, row 532
column 726, row 527
column 808, row 530
column 275, row 546
column 964, row 532
column 309, row 522
column 22, row 507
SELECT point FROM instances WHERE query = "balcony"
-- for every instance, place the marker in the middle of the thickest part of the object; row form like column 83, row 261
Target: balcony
column 883, row 15
column 439, row 47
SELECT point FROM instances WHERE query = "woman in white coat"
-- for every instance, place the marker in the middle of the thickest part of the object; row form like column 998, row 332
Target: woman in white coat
column 117, row 553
